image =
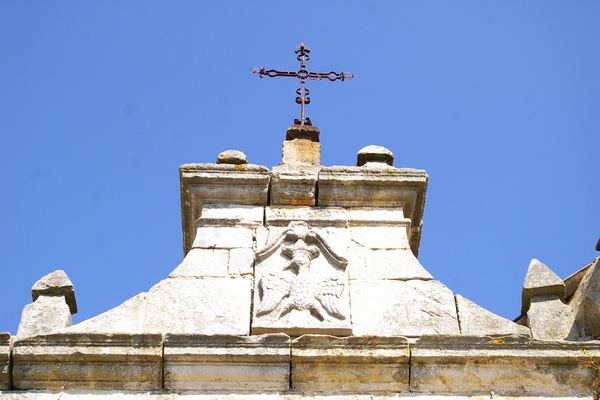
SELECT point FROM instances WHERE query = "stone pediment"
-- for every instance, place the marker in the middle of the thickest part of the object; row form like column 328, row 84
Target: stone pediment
column 304, row 280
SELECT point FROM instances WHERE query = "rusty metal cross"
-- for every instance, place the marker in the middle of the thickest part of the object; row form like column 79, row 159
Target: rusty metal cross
column 303, row 74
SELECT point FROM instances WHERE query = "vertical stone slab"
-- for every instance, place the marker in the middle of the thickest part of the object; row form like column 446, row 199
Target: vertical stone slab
column 5, row 360
column 76, row 361
column 230, row 363
column 353, row 364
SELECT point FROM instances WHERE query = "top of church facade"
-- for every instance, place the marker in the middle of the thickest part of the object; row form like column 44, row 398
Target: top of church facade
column 304, row 279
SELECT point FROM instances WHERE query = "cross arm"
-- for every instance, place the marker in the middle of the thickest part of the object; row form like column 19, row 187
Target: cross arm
column 303, row 74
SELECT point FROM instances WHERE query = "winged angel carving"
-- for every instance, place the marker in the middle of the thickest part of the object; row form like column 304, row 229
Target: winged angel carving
column 295, row 285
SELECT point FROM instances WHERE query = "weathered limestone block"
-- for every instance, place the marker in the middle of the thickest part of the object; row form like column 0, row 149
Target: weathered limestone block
column 585, row 303
column 385, row 187
column 549, row 318
column 223, row 238
column 293, row 186
column 244, row 184
column 5, row 342
column 321, row 217
column 301, row 285
column 227, row 363
column 241, row 261
column 384, row 237
column 301, row 152
column 71, row 361
column 353, row 364
column 209, row 306
column 235, row 215
column 370, row 264
column 53, row 303
column 509, row 366
column 377, row 216
column 475, row 320
column 203, row 263
column 543, row 292
column 540, row 281
column 398, row 308
column 127, row 317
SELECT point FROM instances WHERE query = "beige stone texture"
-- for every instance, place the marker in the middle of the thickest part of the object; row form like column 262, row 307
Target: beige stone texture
column 223, row 238
column 385, row 237
column 127, row 317
column 210, row 306
column 301, row 151
column 398, row 308
column 293, row 186
column 227, row 363
column 540, row 281
column 45, row 315
column 370, row 264
column 549, row 318
column 116, row 395
column 329, row 217
column 385, row 187
column 231, row 215
column 475, row 320
column 89, row 361
column 200, row 263
column 506, row 366
column 354, row 364
column 377, row 216
column 241, row 261
column 585, row 303
column 245, row 184
column 5, row 348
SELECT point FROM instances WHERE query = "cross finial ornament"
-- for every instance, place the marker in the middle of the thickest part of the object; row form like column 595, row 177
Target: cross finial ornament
column 303, row 74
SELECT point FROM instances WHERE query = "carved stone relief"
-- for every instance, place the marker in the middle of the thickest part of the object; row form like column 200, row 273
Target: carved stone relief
column 301, row 284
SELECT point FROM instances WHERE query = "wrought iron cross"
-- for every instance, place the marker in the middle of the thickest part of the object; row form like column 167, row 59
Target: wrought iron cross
column 303, row 74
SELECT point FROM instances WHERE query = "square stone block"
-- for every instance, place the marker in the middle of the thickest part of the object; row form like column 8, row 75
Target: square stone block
column 385, row 264
column 201, row 263
column 241, row 261
column 508, row 366
column 194, row 362
column 398, row 308
column 353, row 364
column 231, row 215
column 223, row 238
column 382, row 237
column 209, row 306
column 87, row 361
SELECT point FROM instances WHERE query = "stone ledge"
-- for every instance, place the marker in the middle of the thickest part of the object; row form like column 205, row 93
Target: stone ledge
column 88, row 361
column 193, row 362
column 5, row 365
column 353, row 364
column 513, row 365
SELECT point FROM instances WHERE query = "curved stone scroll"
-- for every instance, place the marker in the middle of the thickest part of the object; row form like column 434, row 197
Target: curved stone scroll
column 301, row 282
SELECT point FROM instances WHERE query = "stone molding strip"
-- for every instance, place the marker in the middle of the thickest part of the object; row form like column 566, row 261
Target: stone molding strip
column 469, row 366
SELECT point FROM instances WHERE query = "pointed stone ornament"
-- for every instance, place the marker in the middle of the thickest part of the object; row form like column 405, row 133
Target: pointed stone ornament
column 53, row 303
column 540, row 281
column 56, row 283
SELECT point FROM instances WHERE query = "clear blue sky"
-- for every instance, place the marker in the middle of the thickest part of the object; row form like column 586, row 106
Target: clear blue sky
column 100, row 102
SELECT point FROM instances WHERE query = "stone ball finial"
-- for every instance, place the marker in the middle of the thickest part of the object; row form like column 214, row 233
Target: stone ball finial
column 374, row 154
column 235, row 157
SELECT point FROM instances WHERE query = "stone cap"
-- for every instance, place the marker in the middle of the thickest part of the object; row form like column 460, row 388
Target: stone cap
column 540, row 281
column 56, row 283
